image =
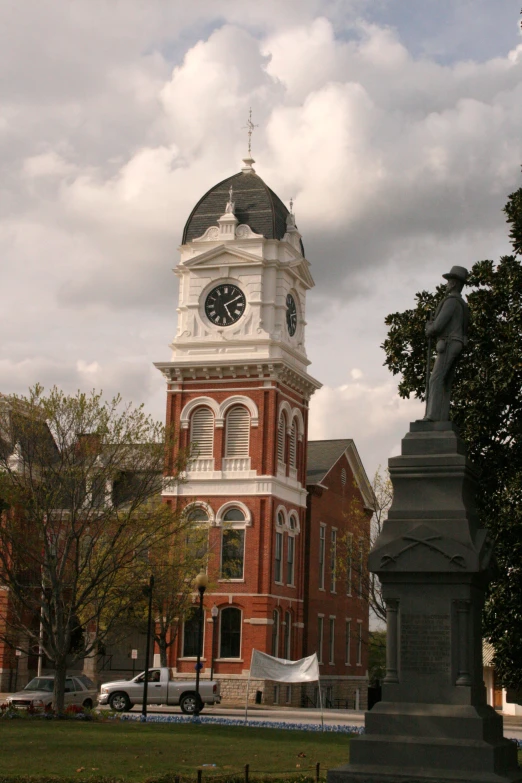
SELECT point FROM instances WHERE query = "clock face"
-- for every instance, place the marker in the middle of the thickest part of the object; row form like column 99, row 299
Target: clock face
column 225, row 304
column 291, row 315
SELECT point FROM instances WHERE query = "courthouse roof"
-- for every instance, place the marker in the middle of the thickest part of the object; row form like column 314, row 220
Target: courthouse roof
column 322, row 456
column 254, row 204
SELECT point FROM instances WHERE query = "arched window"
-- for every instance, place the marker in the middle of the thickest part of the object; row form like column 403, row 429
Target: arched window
column 237, row 438
column 197, row 534
column 281, row 437
column 292, row 446
column 288, row 636
column 230, row 633
column 202, row 431
column 275, row 634
column 232, row 544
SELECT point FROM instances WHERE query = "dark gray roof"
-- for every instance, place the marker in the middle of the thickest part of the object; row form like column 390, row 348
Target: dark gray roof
column 322, row 455
column 255, row 204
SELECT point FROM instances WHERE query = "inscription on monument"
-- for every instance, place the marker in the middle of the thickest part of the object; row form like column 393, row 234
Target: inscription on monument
column 425, row 643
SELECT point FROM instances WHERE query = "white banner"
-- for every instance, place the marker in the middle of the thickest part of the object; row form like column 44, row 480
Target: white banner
column 266, row 667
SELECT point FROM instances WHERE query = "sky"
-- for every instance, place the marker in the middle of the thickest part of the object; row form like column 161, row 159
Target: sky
column 393, row 124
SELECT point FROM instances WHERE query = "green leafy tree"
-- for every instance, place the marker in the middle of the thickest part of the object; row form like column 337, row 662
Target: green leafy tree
column 80, row 480
column 487, row 408
column 376, row 657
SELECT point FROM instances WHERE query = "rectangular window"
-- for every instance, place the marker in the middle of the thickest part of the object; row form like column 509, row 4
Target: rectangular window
column 288, row 694
column 332, row 640
column 333, row 560
column 276, row 694
column 349, row 563
column 359, row 642
column 361, row 566
column 322, row 542
column 320, row 635
column 190, row 635
column 348, row 642
column 278, row 567
column 290, row 556
column 232, row 553
column 230, row 633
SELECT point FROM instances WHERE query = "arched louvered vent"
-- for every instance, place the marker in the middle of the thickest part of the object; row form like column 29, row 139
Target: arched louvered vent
column 202, row 431
column 238, row 432
column 281, row 434
column 293, row 445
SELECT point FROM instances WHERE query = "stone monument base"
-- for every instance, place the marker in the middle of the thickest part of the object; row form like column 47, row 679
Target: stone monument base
column 430, row 742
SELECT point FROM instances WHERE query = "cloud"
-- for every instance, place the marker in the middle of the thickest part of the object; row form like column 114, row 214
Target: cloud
column 114, row 124
column 374, row 416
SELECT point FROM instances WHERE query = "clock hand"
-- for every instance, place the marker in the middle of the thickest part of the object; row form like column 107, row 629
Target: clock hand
column 234, row 300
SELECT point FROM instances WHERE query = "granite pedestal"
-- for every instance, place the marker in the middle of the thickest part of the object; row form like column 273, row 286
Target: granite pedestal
column 432, row 558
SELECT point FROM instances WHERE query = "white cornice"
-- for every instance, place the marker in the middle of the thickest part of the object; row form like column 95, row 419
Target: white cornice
column 177, row 372
column 214, row 485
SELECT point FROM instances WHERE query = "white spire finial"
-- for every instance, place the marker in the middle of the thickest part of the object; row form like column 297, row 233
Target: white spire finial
column 290, row 218
column 229, row 209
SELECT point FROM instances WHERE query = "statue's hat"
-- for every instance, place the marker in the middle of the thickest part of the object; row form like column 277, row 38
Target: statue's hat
column 458, row 273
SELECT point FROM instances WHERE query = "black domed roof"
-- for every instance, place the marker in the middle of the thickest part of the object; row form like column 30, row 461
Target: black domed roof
column 255, row 204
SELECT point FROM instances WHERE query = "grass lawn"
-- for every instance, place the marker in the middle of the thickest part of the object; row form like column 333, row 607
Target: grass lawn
column 135, row 752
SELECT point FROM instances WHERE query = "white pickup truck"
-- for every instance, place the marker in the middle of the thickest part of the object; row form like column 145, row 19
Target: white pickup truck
column 122, row 695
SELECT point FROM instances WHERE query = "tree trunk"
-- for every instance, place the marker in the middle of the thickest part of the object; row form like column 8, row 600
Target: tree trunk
column 162, row 644
column 59, row 685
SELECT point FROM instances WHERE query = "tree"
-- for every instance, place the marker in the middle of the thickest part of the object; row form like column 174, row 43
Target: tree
column 487, row 407
column 80, row 480
column 174, row 568
column 376, row 657
column 355, row 545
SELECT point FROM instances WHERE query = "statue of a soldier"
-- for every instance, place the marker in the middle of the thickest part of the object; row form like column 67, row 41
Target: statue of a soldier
column 450, row 327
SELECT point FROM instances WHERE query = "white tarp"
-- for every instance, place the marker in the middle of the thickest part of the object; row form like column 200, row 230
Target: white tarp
column 266, row 667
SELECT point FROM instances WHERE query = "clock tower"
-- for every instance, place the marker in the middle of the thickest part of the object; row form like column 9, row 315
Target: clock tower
column 238, row 389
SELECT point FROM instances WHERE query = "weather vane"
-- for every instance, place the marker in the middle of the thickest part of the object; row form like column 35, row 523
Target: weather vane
column 250, row 127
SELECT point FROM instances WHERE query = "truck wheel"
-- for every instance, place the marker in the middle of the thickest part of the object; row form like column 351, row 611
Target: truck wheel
column 187, row 703
column 119, row 702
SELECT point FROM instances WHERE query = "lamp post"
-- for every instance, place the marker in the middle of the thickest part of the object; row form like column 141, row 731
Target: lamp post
column 201, row 584
column 148, row 592
column 214, row 612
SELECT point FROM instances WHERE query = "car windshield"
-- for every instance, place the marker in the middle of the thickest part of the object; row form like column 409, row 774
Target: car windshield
column 40, row 684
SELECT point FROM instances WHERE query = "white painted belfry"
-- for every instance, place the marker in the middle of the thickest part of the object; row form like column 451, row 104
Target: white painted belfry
column 266, row 270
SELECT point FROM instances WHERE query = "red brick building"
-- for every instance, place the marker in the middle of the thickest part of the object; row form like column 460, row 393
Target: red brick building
column 238, row 389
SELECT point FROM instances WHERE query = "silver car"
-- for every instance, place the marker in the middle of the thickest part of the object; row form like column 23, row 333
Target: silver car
column 79, row 690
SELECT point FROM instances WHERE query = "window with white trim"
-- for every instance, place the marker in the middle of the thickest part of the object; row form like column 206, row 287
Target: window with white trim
column 333, row 560
column 191, row 630
column 230, row 633
column 281, row 437
column 320, row 635
column 332, row 640
column 292, row 446
column 359, row 643
column 275, row 634
column 348, row 642
column 237, row 438
column 290, row 560
column 361, row 566
column 232, row 552
column 349, row 562
column 278, row 561
column 196, row 537
column 322, row 547
column 288, row 636
column 202, row 431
